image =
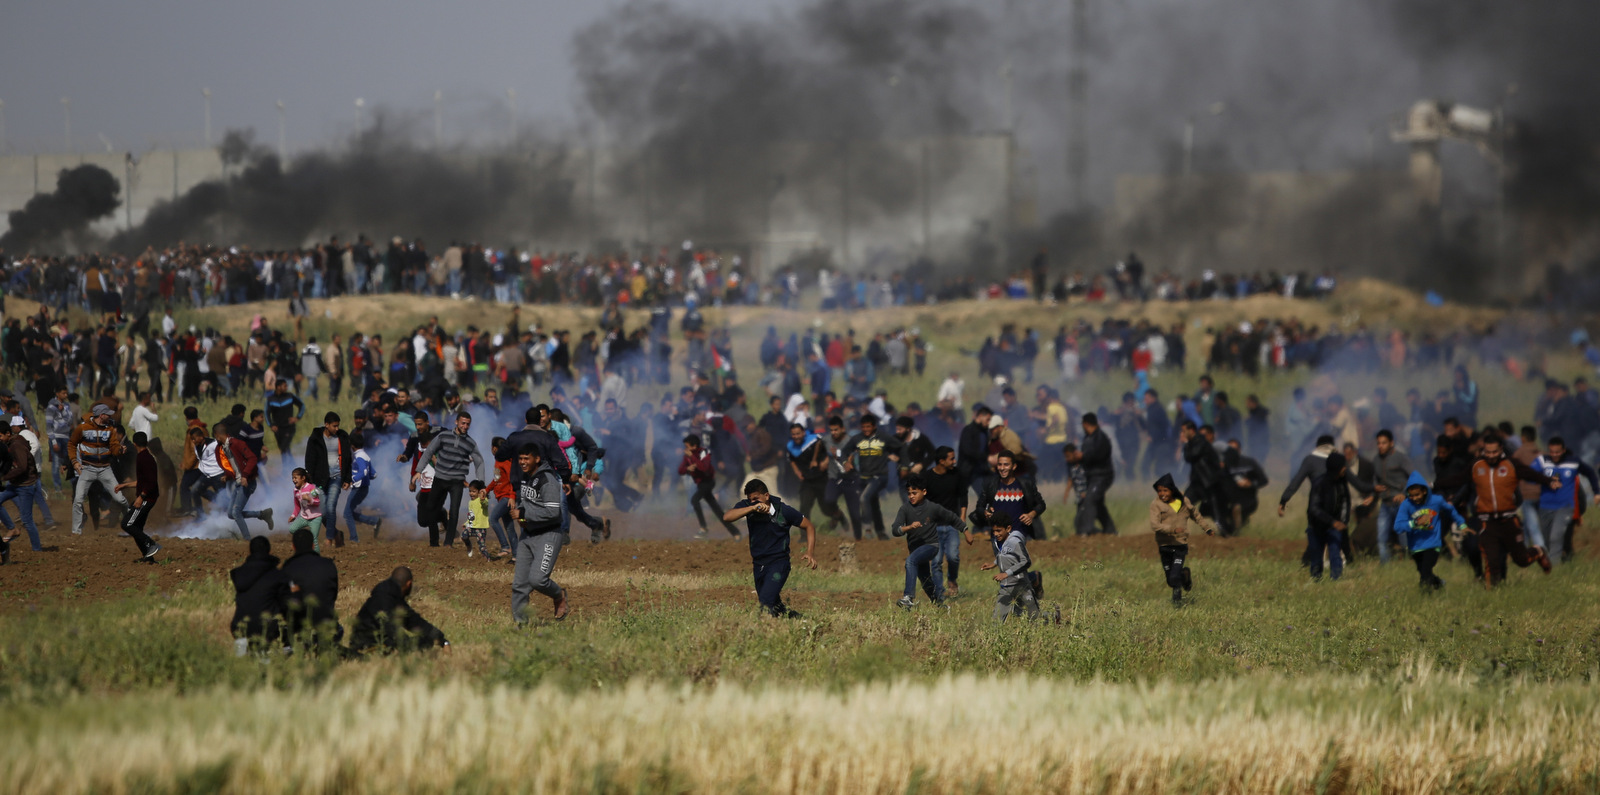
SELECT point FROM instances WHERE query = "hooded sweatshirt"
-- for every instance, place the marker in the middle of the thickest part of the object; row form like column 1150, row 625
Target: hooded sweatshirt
column 1170, row 526
column 1423, row 523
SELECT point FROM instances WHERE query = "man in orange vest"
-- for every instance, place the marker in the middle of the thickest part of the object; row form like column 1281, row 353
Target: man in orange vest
column 1496, row 481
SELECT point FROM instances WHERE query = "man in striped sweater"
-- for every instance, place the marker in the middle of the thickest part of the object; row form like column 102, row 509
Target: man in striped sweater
column 450, row 453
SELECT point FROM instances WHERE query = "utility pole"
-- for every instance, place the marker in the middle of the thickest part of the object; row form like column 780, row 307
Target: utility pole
column 438, row 119
column 283, row 145
column 66, row 115
column 205, row 94
column 1078, row 107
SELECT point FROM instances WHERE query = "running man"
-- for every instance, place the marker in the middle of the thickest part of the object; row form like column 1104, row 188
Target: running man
column 769, row 521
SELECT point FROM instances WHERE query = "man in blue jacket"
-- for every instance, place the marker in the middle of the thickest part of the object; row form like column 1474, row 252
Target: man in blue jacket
column 1557, row 507
column 1420, row 520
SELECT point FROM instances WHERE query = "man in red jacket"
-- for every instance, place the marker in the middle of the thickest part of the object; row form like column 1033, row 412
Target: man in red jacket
column 698, row 466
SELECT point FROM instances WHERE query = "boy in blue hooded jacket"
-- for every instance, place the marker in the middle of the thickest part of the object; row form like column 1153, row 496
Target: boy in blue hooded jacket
column 1420, row 520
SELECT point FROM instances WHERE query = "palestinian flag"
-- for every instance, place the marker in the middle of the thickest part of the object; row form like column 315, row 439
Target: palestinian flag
column 719, row 363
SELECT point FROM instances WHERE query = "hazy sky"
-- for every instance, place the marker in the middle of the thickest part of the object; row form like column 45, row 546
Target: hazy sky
column 134, row 71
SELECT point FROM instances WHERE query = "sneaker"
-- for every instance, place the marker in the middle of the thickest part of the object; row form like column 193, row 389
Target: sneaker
column 906, row 602
column 338, row 539
column 605, row 529
column 702, row 534
column 1177, row 597
column 150, row 554
column 1188, row 582
column 1543, row 560
column 266, row 516
column 469, row 552
column 376, row 526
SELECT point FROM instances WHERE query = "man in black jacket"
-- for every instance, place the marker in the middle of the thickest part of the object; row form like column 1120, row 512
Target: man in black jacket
column 1099, row 472
column 313, row 583
column 973, row 447
column 258, row 588
column 1009, row 493
column 1208, row 484
column 1328, row 517
column 328, row 462
column 388, row 623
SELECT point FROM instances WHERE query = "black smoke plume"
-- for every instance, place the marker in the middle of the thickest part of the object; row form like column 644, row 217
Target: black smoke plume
column 721, row 112
column 52, row 222
column 383, row 185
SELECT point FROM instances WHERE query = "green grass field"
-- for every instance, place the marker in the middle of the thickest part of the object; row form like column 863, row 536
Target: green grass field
column 1265, row 682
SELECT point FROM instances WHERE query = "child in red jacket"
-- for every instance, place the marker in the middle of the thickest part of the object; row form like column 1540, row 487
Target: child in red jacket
column 697, row 465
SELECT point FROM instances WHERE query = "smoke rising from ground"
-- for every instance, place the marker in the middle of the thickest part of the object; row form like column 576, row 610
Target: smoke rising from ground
column 700, row 101
column 52, row 220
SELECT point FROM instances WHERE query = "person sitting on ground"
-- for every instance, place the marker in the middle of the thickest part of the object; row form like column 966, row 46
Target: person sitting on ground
column 258, row 588
column 313, row 593
column 389, row 624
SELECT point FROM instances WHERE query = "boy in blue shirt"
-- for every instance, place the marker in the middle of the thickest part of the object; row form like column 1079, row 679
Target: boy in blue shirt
column 769, row 521
column 1420, row 520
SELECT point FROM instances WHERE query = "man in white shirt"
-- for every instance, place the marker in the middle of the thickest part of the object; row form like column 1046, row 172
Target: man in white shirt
column 951, row 390
column 168, row 324
column 142, row 417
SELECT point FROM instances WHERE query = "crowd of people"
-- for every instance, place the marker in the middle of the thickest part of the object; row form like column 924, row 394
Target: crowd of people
column 199, row 275
column 453, row 429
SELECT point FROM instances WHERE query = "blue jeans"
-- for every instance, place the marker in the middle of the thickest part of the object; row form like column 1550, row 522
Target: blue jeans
column 923, row 564
column 352, row 514
column 770, row 577
column 1386, row 512
column 37, row 491
column 330, row 509
column 454, row 281
column 1532, row 527
column 950, row 550
column 24, row 495
column 1319, row 539
column 237, row 497
column 870, row 489
column 500, row 522
column 58, row 458
column 311, row 386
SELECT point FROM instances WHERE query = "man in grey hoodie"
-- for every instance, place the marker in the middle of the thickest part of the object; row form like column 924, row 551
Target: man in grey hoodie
column 1011, row 558
column 538, row 513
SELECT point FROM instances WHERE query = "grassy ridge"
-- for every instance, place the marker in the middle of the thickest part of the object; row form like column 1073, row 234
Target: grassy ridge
column 1423, row 732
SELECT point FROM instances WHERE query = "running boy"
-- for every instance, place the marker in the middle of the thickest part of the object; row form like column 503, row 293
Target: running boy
column 919, row 520
column 146, row 492
column 697, row 464
column 1013, row 561
column 1170, row 513
column 769, row 521
column 361, row 475
column 1420, row 521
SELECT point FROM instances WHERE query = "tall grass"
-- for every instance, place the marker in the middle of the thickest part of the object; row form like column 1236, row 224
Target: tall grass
column 1423, row 732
